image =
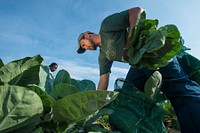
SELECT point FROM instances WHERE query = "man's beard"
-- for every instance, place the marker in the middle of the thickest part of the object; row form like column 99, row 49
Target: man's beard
column 94, row 46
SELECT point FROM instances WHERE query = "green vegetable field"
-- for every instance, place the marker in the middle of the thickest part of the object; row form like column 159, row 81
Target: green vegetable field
column 31, row 102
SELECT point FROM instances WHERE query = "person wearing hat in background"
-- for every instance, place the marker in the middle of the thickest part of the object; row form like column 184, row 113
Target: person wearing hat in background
column 114, row 38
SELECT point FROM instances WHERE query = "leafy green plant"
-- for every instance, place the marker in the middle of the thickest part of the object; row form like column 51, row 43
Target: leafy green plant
column 71, row 105
column 134, row 112
column 20, row 108
column 18, row 72
column 62, row 77
column 27, row 107
column 169, row 115
column 79, row 106
column 151, row 47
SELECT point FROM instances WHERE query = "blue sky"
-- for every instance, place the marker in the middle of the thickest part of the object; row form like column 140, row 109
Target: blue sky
column 51, row 27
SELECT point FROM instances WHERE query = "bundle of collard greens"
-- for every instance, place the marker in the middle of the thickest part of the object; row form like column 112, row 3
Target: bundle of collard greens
column 153, row 47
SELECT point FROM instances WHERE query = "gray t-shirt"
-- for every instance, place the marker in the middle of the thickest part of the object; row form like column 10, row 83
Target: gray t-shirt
column 114, row 33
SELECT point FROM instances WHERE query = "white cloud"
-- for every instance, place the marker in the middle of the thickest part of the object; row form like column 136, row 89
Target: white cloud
column 77, row 70
column 119, row 70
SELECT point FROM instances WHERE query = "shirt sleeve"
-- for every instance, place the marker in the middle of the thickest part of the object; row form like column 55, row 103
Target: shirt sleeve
column 116, row 22
column 104, row 64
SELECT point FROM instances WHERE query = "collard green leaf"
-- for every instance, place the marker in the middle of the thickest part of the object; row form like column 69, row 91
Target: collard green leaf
column 79, row 106
column 47, row 100
column 85, row 85
column 75, row 83
column 19, row 107
column 27, row 128
column 97, row 128
column 149, row 63
column 21, row 72
column 63, row 89
column 46, row 78
column 1, row 63
column 182, row 52
column 163, row 42
column 152, row 85
column 137, row 29
column 101, row 112
column 62, row 77
column 169, row 115
column 155, row 41
column 137, row 108
column 133, row 112
column 127, row 119
column 172, row 42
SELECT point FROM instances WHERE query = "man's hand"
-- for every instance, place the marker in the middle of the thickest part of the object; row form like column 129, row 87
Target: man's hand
column 125, row 55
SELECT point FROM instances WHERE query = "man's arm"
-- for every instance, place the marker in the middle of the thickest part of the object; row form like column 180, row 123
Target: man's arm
column 134, row 14
column 103, row 82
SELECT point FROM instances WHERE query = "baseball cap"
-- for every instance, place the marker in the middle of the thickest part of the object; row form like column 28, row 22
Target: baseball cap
column 80, row 49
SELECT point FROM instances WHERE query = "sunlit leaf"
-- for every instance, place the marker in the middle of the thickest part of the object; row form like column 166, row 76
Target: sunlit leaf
column 79, row 106
column 19, row 107
column 21, row 72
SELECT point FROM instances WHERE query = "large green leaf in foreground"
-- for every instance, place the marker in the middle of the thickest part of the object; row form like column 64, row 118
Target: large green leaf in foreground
column 19, row 107
column 47, row 100
column 21, row 72
column 79, row 106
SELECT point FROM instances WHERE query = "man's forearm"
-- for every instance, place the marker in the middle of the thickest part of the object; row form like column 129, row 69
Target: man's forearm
column 134, row 14
column 102, row 86
column 103, row 82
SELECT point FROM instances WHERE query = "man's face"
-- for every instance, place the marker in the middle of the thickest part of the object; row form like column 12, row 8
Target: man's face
column 88, row 44
column 53, row 68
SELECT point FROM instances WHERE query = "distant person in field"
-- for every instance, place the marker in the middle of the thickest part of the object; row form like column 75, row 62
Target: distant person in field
column 113, row 40
column 48, row 76
column 53, row 66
